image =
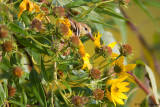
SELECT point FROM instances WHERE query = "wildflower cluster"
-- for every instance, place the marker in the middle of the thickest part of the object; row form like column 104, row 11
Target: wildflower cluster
column 47, row 63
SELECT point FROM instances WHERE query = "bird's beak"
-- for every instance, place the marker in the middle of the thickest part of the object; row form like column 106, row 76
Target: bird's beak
column 90, row 36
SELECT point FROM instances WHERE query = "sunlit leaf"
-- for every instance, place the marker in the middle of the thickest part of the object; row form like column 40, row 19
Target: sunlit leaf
column 153, row 82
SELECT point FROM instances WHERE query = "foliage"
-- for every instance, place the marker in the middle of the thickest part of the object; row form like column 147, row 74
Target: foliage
column 44, row 61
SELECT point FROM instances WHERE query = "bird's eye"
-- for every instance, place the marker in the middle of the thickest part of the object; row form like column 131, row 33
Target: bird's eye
column 86, row 29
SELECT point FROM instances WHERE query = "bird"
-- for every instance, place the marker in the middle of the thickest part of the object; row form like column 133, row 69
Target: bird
column 81, row 29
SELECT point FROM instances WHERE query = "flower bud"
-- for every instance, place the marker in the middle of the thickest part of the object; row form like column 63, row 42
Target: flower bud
column 18, row 72
column 7, row 46
column 59, row 11
column 105, row 51
column 60, row 74
column 96, row 74
column 3, row 31
column 11, row 91
column 125, row 49
column 98, row 94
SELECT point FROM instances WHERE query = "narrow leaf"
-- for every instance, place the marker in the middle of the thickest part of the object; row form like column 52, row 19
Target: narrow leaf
column 15, row 28
column 153, row 82
column 44, row 72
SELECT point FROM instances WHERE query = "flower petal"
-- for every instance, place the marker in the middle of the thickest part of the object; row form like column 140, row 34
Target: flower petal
column 112, row 45
column 121, row 95
column 129, row 67
column 114, row 55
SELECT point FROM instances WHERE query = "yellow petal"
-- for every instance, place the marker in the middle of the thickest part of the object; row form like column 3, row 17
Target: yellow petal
column 120, row 61
column 121, row 95
column 129, row 67
column 112, row 45
column 109, row 82
column 31, row 6
column 22, row 7
column 37, row 8
column 114, row 55
column 117, row 99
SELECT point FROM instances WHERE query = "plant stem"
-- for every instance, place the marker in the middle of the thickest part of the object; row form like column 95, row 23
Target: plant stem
column 111, row 62
column 143, row 87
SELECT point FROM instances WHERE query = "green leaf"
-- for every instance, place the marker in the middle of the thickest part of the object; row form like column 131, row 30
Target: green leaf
column 68, row 87
column 2, row 93
column 110, row 13
column 44, row 72
column 100, row 22
column 145, row 102
column 17, row 103
column 23, row 41
column 24, row 96
column 4, row 67
column 15, row 28
column 153, row 82
column 77, row 3
column 25, row 19
column 37, row 88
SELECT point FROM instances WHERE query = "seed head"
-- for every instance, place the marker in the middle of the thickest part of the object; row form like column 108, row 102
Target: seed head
column 77, row 100
column 59, row 11
column 64, row 29
column 125, row 49
column 37, row 24
column 18, row 72
column 7, row 46
column 75, row 40
column 3, row 31
column 11, row 91
column 98, row 94
column 96, row 74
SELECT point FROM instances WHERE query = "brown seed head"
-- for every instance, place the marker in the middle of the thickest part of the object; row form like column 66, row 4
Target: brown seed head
column 75, row 40
column 126, row 50
column 7, row 46
column 96, row 74
column 37, row 24
column 11, row 91
column 77, row 101
column 59, row 11
column 64, row 29
column 3, row 31
column 107, row 49
column 17, row 72
column 98, row 94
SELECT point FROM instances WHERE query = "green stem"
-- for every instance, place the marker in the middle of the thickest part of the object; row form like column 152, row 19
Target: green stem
column 111, row 62
column 38, row 42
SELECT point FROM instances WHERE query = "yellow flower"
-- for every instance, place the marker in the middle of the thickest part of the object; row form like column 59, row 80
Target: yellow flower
column 65, row 21
column 97, row 40
column 85, row 56
column 65, row 29
column 121, row 69
column 115, row 90
column 98, row 44
column 81, row 49
column 27, row 5
column 86, row 62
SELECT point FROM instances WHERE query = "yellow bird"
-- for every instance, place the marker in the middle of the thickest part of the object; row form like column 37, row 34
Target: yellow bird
column 81, row 29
